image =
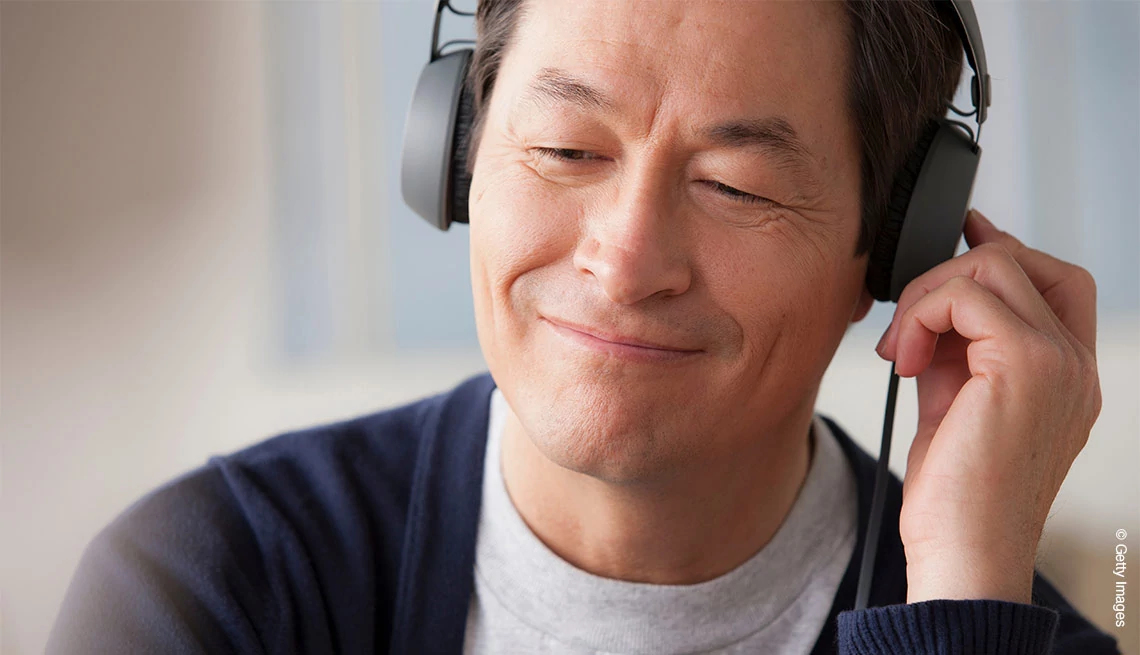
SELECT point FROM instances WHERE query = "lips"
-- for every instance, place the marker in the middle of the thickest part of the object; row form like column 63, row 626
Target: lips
column 618, row 339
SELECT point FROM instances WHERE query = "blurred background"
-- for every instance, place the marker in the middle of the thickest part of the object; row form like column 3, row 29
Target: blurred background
column 202, row 244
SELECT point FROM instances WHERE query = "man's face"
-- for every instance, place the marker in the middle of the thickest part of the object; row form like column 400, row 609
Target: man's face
column 676, row 173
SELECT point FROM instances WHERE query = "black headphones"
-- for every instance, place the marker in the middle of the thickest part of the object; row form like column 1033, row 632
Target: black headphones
column 928, row 203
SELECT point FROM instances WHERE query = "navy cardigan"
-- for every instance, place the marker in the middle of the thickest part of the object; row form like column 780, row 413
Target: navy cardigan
column 359, row 537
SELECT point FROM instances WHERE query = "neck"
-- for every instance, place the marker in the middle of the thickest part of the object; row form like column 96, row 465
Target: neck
column 693, row 527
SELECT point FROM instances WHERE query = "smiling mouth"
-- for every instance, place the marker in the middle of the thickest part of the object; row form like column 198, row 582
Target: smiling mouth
column 616, row 346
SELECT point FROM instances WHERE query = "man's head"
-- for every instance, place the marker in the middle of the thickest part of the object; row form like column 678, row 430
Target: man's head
column 704, row 176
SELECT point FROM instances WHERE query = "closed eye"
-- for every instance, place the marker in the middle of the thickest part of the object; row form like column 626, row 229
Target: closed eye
column 737, row 194
column 565, row 154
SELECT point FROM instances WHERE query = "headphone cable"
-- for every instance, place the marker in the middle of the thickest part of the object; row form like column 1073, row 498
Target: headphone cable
column 882, row 474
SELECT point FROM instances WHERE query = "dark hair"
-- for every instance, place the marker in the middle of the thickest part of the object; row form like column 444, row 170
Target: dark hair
column 906, row 63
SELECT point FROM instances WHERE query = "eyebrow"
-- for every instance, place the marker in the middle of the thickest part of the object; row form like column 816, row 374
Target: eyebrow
column 558, row 85
column 773, row 135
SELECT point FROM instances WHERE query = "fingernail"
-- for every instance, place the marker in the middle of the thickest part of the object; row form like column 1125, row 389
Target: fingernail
column 882, row 341
column 981, row 217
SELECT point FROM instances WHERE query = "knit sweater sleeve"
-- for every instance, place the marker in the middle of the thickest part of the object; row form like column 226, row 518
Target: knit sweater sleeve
column 1049, row 626
column 989, row 627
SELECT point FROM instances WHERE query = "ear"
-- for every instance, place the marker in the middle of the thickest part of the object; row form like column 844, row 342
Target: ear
column 864, row 306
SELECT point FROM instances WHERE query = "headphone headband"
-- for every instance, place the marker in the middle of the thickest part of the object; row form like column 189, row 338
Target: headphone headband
column 436, row 48
column 966, row 24
column 971, row 35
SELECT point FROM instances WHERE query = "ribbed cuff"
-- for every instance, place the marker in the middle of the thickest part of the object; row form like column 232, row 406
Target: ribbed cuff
column 949, row 627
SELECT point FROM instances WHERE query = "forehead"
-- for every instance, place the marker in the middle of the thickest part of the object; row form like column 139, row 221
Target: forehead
column 698, row 61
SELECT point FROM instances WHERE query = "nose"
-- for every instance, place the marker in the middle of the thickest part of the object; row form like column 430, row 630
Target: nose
column 634, row 247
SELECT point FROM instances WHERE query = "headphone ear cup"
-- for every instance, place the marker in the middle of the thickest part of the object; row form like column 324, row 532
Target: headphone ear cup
column 927, row 210
column 882, row 259
column 429, row 180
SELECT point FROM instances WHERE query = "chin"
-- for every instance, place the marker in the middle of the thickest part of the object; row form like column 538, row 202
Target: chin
column 612, row 456
column 596, row 427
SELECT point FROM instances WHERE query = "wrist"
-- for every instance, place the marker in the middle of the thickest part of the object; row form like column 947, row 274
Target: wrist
column 969, row 576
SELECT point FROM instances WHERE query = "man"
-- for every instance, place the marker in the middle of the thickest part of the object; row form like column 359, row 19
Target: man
column 670, row 210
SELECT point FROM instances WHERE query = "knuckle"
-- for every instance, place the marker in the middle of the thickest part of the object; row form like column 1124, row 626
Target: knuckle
column 910, row 314
column 1049, row 359
column 960, row 284
column 1068, row 374
column 990, row 249
column 1096, row 405
column 995, row 252
column 1084, row 280
column 1089, row 411
column 1091, row 387
column 911, row 294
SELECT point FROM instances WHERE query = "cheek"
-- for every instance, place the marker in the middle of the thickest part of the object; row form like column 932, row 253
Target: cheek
column 518, row 228
column 791, row 287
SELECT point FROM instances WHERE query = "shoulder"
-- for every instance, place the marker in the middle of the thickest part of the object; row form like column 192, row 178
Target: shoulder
column 336, row 466
column 294, row 540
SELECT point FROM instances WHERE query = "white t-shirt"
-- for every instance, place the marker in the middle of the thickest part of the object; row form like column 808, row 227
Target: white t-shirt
column 529, row 600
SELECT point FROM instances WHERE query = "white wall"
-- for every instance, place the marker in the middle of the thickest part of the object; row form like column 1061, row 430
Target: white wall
column 141, row 291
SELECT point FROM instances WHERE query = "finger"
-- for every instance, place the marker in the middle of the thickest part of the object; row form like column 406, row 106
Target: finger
column 960, row 304
column 992, row 266
column 1069, row 290
column 1044, row 269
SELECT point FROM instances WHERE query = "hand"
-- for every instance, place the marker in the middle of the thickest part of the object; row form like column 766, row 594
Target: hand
column 1002, row 341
